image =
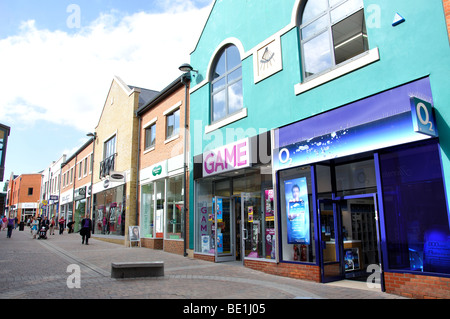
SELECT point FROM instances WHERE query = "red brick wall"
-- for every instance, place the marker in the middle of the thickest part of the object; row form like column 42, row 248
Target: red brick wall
column 298, row 271
column 447, row 14
column 204, row 257
column 152, row 243
column 174, row 246
column 417, row 286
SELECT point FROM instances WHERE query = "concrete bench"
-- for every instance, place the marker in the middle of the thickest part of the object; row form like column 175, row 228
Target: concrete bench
column 137, row 269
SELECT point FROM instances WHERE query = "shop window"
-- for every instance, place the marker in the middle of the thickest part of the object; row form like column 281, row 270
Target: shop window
column 296, row 216
column 332, row 32
column 173, row 124
column 175, row 208
column 80, row 212
column 160, row 192
column 109, row 212
column 356, row 178
column 415, row 210
column 147, row 211
column 150, row 137
column 204, row 238
column 226, row 84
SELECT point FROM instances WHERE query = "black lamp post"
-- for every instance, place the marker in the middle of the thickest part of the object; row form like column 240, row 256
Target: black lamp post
column 94, row 137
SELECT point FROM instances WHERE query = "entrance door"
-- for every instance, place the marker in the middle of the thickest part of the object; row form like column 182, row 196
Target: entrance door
column 331, row 242
column 361, row 238
column 350, row 240
column 253, row 230
column 224, row 229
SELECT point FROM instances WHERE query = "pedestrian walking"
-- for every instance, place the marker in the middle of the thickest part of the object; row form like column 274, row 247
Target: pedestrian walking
column 52, row 226
column 70, row 226
column 16, row 222
column 85, row 232
column 44, row 223
column 11, row 224
column 4, row 222
column 61, row 222
column 34, row 227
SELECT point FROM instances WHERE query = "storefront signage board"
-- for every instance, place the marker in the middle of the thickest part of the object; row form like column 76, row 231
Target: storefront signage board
column 423, row 117
column 227, row 158
column 154, row 172
column 376, row 122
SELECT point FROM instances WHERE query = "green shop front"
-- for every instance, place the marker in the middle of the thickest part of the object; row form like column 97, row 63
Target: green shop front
column 162, row 205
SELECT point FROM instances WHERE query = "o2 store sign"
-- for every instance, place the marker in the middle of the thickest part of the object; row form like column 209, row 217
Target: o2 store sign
column 423, row 117
column 227, row 158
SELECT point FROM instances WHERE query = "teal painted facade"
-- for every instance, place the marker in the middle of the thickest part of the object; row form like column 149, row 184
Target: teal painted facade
column 417, row 48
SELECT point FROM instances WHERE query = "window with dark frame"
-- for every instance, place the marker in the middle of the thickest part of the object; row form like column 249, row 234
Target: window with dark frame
column 150, row 136
column 109, row 147
column 30, row 191
column 332, row 32
column 173, row 124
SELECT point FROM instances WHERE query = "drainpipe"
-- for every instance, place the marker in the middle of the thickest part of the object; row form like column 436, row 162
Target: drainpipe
column 185, row 78
column 137, row 168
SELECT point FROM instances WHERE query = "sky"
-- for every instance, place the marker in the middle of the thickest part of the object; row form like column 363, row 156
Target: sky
column 58, row 59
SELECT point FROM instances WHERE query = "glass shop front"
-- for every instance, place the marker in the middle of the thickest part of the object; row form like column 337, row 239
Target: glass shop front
column 109, row 211
column 360, row 189
column 234, row 213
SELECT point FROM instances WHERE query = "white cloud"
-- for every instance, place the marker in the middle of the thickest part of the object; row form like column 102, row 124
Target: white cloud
column 64, row 78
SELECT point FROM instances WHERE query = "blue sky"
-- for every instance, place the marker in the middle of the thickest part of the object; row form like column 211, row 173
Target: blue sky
column 55, row 77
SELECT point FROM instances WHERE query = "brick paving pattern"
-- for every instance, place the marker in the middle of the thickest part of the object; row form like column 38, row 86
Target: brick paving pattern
column 31, row 268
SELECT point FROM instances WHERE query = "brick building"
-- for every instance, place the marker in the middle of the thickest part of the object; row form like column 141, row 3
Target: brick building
column 23, row 195
column 162, row 154
column 115, row 162
column 76, row 172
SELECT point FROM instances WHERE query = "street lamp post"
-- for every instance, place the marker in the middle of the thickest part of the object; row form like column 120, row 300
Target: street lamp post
column 94, row 137
column 185, row 78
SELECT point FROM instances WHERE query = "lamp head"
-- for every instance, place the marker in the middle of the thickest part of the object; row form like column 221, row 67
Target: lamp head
column 186, row 67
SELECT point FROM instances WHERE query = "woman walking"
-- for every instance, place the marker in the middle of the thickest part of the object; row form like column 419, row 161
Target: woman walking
column 85, row 232
column 11, row 224
column 52, row 226
column 61, row 225
column 4, row 222
column 34, row 227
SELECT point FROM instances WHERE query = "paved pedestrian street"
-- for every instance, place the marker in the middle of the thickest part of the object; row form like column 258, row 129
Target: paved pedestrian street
column 31, row 269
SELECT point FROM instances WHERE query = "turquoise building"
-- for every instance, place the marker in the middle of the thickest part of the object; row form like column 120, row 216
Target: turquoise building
column 320, row 140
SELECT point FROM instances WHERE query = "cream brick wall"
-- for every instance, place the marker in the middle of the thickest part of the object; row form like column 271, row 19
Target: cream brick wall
column 119, row 118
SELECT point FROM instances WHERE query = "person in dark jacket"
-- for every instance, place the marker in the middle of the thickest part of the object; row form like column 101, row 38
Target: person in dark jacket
column 85, row 232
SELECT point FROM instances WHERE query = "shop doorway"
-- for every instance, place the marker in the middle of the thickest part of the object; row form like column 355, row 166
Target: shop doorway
column 350, row 243
column 238, row 225
column 347, row 205
column 224, row 229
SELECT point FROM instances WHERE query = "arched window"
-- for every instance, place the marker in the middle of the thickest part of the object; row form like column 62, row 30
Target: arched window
column 332, row 32
column 226, row 84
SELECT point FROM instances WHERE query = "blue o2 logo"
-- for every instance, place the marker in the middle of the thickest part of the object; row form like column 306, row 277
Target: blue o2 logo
column 422, row 116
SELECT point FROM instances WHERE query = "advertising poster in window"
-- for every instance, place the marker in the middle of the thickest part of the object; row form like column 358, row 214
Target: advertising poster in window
column 297, row 210
column 268, row 201
column 219, row 210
